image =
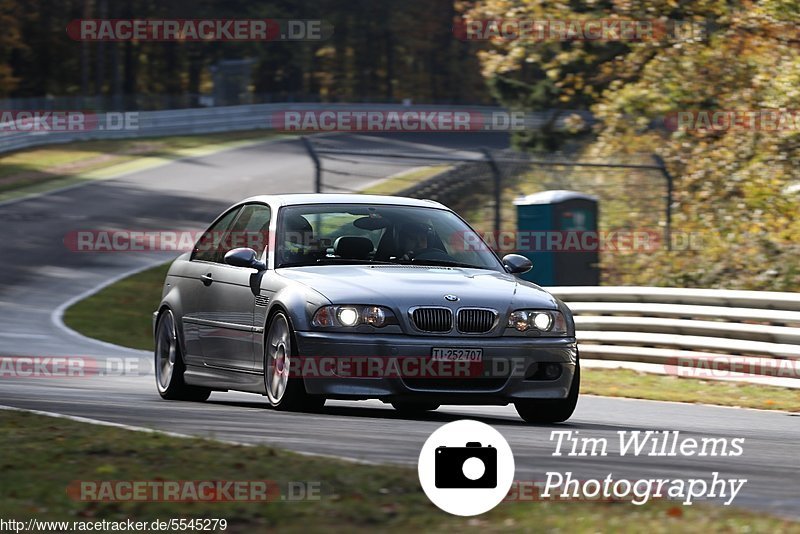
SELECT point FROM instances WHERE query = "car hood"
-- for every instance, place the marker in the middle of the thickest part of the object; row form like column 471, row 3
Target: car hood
column 403, row 286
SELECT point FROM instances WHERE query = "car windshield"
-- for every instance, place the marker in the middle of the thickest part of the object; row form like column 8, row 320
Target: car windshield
column 375, row 234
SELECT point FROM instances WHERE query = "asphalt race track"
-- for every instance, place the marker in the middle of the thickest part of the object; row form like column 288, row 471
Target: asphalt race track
column 39, row 276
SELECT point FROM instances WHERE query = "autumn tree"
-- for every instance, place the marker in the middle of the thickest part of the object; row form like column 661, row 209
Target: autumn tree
column 736, row 187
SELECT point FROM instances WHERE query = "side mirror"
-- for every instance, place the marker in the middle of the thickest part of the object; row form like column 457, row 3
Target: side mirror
column 516, row 264
column 244, row 257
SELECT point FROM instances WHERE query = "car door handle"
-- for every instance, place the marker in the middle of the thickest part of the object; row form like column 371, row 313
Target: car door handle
column 206, row 279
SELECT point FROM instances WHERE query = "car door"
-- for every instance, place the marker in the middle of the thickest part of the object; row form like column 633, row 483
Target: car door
column 228, row 297
column 195, row 274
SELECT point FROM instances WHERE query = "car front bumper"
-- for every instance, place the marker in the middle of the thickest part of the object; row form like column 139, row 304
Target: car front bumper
column 507, row 366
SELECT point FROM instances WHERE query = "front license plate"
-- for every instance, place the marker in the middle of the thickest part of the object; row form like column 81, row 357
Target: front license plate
column 456, row 355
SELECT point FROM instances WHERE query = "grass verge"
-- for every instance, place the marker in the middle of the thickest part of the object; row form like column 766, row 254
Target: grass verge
column 136, row 297
column 133, row 299
column 398, row 182
column 639, row 385
column 43, row 456
column 50, row 167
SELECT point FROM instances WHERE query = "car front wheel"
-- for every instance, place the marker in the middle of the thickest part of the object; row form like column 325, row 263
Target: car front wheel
column 545, row 411
column 170, row 366
column 284, row 391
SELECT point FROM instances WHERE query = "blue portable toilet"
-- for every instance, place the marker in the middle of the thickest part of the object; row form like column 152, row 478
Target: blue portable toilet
column 556, row 231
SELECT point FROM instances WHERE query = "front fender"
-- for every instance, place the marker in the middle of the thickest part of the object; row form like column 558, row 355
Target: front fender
column 300, row 303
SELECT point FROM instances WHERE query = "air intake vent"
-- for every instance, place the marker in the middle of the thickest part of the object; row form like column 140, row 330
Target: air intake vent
column 418, row 267
column 433, row 319
column 476, row 320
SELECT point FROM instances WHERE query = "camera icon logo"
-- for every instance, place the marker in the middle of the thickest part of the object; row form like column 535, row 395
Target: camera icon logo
column 466, row 467
column 472, row 466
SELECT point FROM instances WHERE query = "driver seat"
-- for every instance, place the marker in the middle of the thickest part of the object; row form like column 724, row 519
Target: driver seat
column 298, row 232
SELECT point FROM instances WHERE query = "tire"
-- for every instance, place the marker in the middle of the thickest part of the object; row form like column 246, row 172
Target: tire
column 169, row 364
column 285, row 393
column 545, row 411
column 414, row 408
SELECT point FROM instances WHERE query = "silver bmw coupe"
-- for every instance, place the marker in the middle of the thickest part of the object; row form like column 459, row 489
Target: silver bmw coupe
column 309, row 297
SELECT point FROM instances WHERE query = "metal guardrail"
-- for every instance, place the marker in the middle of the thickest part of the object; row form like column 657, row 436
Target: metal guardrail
column 755, row 332
column 238, row 118
column 204, row 120
column 151, row 124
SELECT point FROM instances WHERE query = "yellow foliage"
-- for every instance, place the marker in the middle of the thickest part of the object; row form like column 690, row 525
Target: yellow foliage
column 738, row 189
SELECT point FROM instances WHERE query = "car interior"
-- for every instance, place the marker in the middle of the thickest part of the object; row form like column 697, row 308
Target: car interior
column 363, row 239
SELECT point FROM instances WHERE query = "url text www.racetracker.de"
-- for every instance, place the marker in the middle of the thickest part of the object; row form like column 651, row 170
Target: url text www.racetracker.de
column 569, row 443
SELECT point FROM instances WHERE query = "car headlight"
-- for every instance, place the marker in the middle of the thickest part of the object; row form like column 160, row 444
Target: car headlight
column 348, row 316
column 547, row 322
column 353, row 315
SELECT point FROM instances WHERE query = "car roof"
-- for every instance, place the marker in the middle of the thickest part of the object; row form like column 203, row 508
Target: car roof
column 339, row 198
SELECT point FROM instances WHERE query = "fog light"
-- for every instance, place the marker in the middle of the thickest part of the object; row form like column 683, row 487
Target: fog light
column 552, row 371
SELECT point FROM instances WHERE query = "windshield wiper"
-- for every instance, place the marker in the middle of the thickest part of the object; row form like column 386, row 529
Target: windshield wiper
column 446, row 263
column 344, row 261
column 351, row 260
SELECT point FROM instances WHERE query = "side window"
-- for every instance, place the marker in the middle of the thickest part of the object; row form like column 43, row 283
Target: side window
column 209, row 246
column 251, row 229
